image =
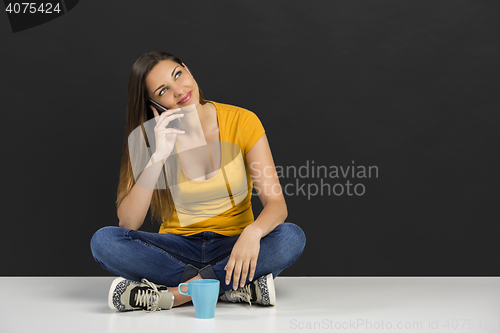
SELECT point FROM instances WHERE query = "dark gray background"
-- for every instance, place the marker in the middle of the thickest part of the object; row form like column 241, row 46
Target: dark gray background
column 411, row 87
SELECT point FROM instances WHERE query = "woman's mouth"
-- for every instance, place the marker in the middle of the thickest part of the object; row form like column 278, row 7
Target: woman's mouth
column 185, row 99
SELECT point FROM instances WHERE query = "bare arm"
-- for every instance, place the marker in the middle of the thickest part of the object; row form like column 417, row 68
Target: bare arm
column 134, row 207
column 243, row 259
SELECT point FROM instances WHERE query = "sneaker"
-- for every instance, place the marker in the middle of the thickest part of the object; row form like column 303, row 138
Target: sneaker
column 127, row 295
column 260, row 291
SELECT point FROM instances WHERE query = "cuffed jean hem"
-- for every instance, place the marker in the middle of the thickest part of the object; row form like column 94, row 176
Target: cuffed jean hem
column 189, row 272
column 208, row 272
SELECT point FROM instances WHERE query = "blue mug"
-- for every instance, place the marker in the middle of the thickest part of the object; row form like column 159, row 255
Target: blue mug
column 204, row 294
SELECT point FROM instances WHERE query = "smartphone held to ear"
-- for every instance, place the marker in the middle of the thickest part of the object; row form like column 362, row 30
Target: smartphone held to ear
column 176, row 123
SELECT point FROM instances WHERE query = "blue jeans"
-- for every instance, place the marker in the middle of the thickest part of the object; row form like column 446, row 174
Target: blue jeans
column 171, row 259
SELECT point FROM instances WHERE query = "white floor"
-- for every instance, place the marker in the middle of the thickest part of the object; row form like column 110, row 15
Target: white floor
column 335, row 304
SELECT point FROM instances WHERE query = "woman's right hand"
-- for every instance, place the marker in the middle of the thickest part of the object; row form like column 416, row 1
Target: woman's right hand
column 165, row 137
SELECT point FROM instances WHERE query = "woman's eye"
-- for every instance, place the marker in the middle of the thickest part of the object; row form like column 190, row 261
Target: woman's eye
column 165, row 89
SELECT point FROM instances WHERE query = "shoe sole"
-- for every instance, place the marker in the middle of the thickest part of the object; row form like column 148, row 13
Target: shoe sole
column 270, row 287
column 111, row 291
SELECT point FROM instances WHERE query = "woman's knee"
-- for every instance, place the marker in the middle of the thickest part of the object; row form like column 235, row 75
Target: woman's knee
column 103, row 239
column 289, row 242
column 293, row 234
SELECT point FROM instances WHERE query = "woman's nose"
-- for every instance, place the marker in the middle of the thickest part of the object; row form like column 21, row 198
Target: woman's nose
column 178, row 91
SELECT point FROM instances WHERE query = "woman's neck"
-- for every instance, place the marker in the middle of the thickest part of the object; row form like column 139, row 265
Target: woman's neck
column 198, row 123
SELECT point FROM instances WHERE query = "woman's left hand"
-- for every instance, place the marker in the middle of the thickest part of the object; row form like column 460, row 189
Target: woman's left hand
column 243, row 259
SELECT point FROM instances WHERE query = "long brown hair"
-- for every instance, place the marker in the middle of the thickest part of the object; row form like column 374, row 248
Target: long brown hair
column 162, row 202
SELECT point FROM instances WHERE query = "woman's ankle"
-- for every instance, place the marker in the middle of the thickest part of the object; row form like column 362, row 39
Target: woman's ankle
column 179, row 298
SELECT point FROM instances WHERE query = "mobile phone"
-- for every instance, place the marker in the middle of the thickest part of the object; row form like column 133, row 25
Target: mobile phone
column 160, row 108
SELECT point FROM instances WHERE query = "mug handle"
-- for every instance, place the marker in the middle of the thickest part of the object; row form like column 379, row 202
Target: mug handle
column 184, row 284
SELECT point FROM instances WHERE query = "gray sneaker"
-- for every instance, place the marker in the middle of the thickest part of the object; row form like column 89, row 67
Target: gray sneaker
column 127, row 295
column 260, row 291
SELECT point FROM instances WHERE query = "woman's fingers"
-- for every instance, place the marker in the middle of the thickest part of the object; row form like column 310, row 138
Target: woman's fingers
column 229, row 270
column 244, row 272
column 170, row 130
column 239, row 270
column 165, row 136
column 168, row 116
column 253, row 266
column 236, row 274
column 155, row 113
column 233, row 268
column 164, row 123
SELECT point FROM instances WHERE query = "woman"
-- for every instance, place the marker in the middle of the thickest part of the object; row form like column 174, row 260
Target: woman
column 244, row 254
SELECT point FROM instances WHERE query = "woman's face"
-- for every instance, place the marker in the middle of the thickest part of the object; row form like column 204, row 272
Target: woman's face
column 172, row 85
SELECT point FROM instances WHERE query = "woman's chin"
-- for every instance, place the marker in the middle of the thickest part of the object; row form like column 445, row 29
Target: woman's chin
column 189, row 108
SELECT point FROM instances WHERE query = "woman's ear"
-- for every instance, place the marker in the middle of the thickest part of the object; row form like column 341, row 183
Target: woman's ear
column 186, row 67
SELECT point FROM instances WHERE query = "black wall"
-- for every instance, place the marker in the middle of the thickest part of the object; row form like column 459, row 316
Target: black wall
column 408, row 87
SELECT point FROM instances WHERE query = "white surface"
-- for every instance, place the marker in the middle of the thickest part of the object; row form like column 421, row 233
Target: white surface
column 304, row 304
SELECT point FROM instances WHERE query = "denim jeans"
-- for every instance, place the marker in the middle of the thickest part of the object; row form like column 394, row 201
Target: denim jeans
column 171, row 259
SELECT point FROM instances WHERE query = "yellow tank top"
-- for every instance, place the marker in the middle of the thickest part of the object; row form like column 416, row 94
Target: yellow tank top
column 220, row 204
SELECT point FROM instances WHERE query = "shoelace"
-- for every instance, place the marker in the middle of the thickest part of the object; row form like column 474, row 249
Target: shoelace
column 243, row 293
column 149, row 298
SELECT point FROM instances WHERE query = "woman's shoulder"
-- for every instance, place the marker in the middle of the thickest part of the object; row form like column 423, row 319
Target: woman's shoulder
column 229, row 107
column 233, row 111
column 240, row 124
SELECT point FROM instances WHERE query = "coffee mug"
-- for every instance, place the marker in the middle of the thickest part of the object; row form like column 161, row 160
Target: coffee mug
column 204, row 294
